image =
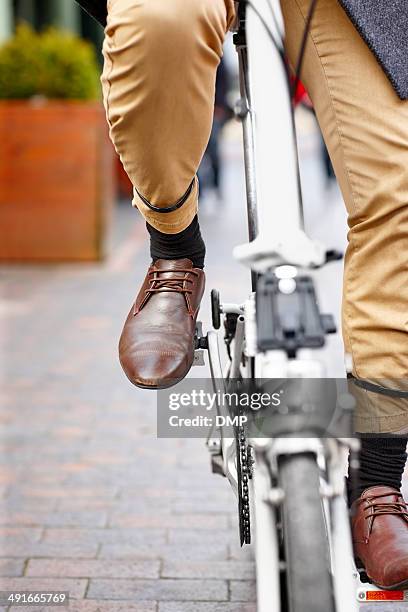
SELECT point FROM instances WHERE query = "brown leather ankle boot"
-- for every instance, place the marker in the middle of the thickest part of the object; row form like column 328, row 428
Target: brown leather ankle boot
column 156, row 348
column 380, row 536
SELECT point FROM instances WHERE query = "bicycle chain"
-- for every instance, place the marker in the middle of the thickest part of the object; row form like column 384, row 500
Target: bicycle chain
column 245, row 463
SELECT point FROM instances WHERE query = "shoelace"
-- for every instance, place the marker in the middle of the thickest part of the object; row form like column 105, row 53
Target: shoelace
column 397, row 508
column 174, row 285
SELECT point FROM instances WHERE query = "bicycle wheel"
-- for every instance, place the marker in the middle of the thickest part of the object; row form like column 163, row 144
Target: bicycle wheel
column 308, row 578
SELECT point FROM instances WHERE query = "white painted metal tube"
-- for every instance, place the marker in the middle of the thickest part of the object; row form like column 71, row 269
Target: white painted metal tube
column 277, row 182
column 344, row 583
column 266, row 541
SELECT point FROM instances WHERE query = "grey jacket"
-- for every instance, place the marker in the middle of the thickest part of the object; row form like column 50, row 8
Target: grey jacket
column 383, row 24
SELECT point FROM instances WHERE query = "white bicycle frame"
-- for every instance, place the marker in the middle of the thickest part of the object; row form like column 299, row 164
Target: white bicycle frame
column 277, row 238
column 274, row 189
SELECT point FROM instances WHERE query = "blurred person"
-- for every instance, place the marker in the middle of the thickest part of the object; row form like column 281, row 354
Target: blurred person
column 209, row 172
column 160, row 66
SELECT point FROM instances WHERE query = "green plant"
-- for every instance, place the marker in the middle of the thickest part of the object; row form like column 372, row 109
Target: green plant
column 53, row 63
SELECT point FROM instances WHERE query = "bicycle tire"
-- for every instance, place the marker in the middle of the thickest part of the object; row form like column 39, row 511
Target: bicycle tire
column 308, row 579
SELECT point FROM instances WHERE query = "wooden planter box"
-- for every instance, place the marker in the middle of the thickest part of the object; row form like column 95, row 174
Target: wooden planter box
column 56, row 181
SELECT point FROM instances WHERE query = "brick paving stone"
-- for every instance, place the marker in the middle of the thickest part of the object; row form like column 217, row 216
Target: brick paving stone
column 113, row 606
column 11, row 548
column 160, row 590
column 13, row 504
column 76, row 588
column 385, row 607
column 195, row 536
column 20, row 534
column 236, row 552
column 90, row 450
column 11, row 567
column 222, row 570
column 63, row 519
column 176, row 606
column 120, row 478
column 208, row 506
column 98, row 568
column 242, row 590
column 73, row 505
column 32, row 489
column 6, row 477
column 150, row 537
column 180, row 521
column 87, row 605
column 143, row 506
column 176, row 493
column 206, row 552
column 189, row 480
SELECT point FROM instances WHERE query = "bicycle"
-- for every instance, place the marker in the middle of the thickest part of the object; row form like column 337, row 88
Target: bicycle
column 302, row 565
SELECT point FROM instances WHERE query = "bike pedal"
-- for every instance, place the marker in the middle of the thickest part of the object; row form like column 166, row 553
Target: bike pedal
column 215, row 309
column 363, row 576
column 199, row 358
column 217, row 465
column 367, row 592
column 360, row 572
column 201, row 344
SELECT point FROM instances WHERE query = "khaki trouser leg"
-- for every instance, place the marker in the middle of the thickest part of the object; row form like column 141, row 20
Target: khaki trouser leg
column 161, row 58
column 158, row 81
column 365, row 127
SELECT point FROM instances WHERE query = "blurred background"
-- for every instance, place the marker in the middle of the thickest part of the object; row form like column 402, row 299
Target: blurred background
column 40, row 13
column 91, row 501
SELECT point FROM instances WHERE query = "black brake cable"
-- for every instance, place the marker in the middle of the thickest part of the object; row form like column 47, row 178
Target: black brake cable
column 299, row 65
column 280, row 48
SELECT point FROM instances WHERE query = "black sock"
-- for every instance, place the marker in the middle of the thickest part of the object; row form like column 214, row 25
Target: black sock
column 188, row 243
column 382, row 462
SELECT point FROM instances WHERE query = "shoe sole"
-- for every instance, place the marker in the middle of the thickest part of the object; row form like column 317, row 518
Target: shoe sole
column 401, row 586
column 158, row 387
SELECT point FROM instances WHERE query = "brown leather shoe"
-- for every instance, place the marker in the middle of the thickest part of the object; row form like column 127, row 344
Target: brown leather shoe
column 380, row 536
column 156, row 348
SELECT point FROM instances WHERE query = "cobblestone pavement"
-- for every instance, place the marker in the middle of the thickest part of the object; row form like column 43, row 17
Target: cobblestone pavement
column 92, row 503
